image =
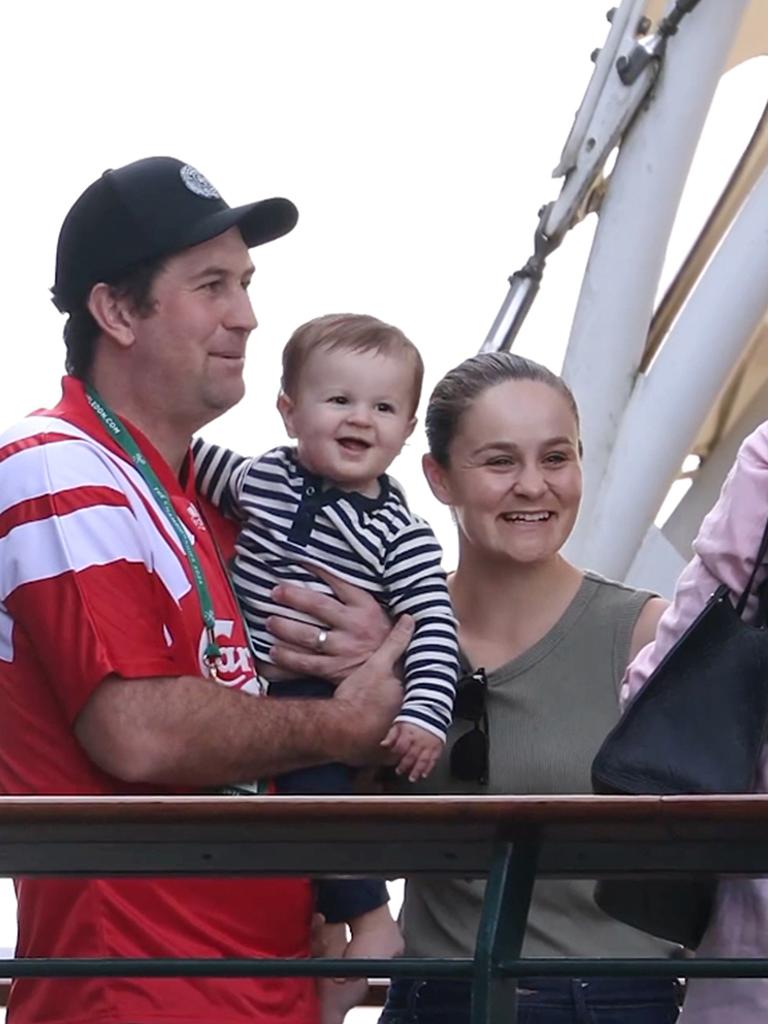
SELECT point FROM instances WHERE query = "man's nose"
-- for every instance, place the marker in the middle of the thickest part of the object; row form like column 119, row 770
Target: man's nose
column 241, row 315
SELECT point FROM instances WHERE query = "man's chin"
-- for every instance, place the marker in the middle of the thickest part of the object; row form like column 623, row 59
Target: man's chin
column 227, row 397
column 221, row 401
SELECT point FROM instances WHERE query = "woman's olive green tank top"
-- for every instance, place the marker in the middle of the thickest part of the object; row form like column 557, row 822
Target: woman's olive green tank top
column 548, row 711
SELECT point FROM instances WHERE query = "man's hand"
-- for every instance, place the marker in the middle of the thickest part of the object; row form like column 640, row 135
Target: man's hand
column 417, row 750
column 370, row 698
column 192, row 732
column 356, row 625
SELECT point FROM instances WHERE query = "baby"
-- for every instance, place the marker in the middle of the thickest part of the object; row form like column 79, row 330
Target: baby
column 349, row 393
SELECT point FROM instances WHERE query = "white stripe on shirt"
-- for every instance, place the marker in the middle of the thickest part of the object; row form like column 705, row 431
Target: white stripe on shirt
column 88, row 535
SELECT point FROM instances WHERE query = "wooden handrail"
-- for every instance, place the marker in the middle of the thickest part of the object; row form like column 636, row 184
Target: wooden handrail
column 502, row 811
column 510, row 840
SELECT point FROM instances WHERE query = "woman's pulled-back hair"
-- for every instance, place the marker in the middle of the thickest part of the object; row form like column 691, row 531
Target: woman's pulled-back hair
column 462, row 385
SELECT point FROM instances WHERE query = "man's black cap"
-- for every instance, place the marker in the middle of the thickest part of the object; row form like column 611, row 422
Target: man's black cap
column 144, row 211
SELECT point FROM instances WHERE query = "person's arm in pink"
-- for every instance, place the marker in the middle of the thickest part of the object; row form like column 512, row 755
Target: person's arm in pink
column 724, row 552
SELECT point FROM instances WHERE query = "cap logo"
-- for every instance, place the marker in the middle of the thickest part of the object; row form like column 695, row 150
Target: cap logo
column 198, row 183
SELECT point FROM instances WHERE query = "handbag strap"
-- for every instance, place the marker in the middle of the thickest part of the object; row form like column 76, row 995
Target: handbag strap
column 762, row 595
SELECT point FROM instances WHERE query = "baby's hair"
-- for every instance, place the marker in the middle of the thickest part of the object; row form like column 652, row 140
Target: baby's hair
column 353, row 332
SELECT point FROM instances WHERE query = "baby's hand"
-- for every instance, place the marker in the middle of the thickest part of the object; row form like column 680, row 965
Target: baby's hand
column 417, row 750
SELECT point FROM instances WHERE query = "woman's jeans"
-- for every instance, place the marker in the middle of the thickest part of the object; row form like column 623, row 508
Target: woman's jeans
column 541, row 1001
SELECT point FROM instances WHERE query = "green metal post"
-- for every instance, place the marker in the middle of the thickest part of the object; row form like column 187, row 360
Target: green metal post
column 501, row 932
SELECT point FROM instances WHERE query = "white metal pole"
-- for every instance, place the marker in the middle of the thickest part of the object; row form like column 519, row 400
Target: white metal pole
column 616, row 301
column 670, row 403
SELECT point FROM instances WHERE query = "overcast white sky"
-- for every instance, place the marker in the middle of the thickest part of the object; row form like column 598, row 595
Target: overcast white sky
column 416, row 137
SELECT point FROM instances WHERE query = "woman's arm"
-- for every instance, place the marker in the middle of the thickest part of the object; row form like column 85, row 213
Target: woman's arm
column 645, row 627
column 725, row 551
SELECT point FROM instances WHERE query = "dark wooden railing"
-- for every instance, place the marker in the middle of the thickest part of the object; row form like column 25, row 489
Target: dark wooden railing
column 509, row 840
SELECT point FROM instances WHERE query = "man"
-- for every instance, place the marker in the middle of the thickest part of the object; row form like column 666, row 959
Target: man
column 124, row 666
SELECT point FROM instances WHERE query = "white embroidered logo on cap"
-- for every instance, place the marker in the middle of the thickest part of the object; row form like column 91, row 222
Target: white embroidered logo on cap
column 198, row 183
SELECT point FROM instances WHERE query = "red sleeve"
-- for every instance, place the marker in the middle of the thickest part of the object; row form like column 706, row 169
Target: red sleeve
column 87, row 585
column 91, row 624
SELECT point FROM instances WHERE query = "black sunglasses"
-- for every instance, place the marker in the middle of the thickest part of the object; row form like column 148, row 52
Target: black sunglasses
column 469, row 760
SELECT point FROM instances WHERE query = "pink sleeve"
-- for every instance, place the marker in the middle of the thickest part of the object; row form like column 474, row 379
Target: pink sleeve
column 724, row 552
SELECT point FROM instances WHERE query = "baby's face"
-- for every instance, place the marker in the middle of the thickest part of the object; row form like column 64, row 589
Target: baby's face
column 351, row 414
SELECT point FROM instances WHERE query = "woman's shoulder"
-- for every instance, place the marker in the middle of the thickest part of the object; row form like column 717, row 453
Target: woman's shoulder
column 613, row 592
column 625, row 617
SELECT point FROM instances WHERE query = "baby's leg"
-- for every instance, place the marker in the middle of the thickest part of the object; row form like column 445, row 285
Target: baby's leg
column 374, row 936
column 338, row 995
column 359, row 903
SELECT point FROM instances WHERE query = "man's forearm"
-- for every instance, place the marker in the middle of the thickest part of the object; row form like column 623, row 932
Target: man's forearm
column 192, row 732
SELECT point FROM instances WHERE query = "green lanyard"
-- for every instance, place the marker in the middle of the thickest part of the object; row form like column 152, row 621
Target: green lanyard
column 116, row 429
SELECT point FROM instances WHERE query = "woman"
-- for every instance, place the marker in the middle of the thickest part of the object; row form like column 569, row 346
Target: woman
column 554, row 642
column 725, row 551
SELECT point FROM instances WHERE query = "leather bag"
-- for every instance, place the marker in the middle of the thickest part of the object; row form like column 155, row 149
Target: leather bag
column 696, row 727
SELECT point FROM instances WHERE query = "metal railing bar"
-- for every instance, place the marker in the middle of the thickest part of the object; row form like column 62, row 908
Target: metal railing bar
column 734, row 967
column 172, row 967
column 403, row 967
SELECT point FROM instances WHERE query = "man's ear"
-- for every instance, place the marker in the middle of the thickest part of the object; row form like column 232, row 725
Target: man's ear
column 437, row 478
column 285, row 407
column 112, row 313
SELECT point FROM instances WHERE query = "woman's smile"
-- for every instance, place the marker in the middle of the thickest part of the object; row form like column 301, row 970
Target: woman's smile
column 527, row 518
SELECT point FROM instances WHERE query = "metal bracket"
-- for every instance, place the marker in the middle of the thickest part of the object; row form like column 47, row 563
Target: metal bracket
column 625, row 71
column 523, row 288
column 624, row 74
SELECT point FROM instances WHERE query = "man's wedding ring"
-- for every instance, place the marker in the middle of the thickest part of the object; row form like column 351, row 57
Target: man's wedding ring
column 321, row 639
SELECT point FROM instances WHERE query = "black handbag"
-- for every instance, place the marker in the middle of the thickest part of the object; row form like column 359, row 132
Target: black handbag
column 696, row 727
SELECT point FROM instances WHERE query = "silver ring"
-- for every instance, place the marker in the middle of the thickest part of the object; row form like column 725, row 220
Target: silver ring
column 321, row 640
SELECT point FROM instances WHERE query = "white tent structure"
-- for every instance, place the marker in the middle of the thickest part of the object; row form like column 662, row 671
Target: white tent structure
column 689, row 376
